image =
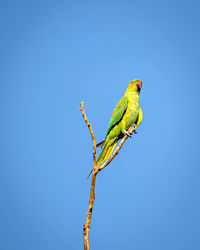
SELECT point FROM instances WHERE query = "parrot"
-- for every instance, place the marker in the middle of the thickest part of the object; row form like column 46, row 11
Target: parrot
column 126, row 113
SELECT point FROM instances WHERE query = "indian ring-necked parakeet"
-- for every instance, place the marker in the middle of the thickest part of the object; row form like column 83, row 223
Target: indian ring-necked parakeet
column 126, row 113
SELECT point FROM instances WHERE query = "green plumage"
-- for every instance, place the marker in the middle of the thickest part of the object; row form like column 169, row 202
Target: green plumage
column 126, row 113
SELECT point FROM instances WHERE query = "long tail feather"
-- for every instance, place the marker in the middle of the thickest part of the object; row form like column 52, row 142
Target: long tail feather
column 90, row 173
column 105, row 153
column 101, row 144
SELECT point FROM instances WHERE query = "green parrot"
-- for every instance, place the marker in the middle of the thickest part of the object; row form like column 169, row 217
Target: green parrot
column 126, row 113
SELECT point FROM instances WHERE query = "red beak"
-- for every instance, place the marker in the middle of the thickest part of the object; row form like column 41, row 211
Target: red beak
column 139, row 84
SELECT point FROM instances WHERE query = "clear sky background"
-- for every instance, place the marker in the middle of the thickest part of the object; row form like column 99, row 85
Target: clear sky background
column 53, row 55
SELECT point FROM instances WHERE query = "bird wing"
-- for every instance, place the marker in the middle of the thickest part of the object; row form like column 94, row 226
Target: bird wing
column 118, row 113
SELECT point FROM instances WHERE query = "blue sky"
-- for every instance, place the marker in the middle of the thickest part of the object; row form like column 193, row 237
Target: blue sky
column 53, row 55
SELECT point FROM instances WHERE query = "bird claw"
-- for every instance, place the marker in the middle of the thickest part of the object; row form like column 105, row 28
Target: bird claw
column 127, row 133
column 135, row 126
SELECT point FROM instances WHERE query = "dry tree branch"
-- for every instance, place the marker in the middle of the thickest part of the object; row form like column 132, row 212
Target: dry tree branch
column 91, row 132
column 86, row 226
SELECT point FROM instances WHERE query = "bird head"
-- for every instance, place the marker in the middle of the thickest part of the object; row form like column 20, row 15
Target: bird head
column 135, row 86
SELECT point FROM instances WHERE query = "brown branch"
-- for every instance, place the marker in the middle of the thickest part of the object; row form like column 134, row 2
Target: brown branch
column 86, row 226
column 91, row 132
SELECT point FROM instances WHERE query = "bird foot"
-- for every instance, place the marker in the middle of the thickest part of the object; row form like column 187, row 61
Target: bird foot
column 127, row 133
column 134, row 126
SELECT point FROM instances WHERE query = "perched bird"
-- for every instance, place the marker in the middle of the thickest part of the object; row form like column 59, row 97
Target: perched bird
column 126, row 113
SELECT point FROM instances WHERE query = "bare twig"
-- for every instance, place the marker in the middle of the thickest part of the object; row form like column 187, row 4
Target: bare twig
column 86, row 226
column 91, row 132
